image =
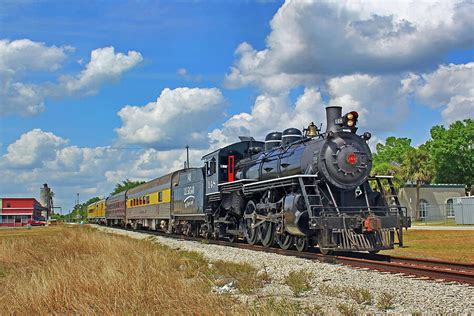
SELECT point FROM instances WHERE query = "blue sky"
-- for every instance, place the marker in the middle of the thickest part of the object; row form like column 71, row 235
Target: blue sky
column 198, row 36
column 218, row 69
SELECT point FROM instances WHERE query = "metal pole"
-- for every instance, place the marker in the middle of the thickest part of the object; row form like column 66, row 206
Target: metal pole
column 187, row 155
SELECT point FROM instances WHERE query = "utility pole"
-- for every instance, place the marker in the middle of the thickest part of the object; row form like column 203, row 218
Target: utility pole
column 187, row 156
column 78, row 209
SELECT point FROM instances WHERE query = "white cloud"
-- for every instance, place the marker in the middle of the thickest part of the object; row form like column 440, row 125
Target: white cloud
column 20, row 58
column 178, row 117
column 26, row 55
column 271, row 113
column 32, row 149
column 104, row 66
column 380, row 101
column 184, row 73
column 309, row 39
column 450, row 87
column 39, row 157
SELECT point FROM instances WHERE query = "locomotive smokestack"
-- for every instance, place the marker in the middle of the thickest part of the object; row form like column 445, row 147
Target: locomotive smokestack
column 332, row 113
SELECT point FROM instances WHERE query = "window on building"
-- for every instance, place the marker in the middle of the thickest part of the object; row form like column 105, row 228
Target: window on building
column 449, row 208
column 9, row 205
column 160, row 196
column 147, row 199
column 423, row 208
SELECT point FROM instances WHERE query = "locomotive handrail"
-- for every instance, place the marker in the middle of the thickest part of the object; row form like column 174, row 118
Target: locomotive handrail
column 364, row 209
column 236, row 182
column 380, row 177
column 282, row 179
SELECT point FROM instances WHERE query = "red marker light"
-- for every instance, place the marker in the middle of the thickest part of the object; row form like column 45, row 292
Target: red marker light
column 351, row 159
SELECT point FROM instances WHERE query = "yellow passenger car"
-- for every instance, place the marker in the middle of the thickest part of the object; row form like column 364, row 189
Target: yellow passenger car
column 148, row 205
column 96, row 212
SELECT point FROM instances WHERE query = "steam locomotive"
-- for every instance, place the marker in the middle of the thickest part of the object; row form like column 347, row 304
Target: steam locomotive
column 296, row 189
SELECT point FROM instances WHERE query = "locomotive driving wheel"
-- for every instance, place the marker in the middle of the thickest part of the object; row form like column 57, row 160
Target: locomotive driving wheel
column 301, row 243
column 267, row 234
column 250, row 233
column 285, row 241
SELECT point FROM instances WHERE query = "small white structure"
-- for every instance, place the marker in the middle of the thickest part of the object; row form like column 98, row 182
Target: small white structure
column 464, row 209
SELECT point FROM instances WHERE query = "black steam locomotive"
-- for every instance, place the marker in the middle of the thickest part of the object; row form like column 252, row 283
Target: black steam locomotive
column 298, row 188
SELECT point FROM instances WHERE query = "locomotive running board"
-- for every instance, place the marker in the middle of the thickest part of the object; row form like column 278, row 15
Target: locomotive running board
column 229, row 187
column 274, row 183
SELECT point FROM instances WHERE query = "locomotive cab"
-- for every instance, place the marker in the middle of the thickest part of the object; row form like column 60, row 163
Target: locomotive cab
column 220, row 164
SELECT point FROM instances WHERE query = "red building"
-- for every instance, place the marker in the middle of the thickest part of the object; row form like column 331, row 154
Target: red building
column 21, row 211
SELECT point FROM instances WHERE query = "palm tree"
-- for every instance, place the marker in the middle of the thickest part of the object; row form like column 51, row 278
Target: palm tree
column 417, row 168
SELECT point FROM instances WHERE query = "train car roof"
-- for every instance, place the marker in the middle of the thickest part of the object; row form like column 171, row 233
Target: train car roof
column 147, row 185
column 254, row 142
column 95, row 203
column 116, row 195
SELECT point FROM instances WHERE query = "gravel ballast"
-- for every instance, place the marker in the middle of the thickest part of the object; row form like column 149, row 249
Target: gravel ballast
column 410, row 295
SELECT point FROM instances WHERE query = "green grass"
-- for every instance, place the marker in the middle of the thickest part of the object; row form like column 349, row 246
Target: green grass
column 446, row 222
column 274, row 306
column 450, row 245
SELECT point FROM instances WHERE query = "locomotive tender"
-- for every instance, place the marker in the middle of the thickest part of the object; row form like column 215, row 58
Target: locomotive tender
column 298, row 188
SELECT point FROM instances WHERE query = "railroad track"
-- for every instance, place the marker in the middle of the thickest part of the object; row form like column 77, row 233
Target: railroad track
column 438, row 270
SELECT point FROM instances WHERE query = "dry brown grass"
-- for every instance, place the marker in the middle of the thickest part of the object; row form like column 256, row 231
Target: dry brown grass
column 77, row 270
column 298, row 281
column 456, row 246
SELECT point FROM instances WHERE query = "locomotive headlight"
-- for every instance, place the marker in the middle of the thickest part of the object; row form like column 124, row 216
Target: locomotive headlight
column 350, row 116
column 350, row 123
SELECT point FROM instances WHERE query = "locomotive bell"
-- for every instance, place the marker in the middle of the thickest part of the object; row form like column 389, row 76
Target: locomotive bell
column 312, row 130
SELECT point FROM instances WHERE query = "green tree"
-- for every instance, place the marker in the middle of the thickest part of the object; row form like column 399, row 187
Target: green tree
column 81, row 209
column 417, row 168
column 389, row 158
column 125, row 185
column 393, row 151
column 452, row 152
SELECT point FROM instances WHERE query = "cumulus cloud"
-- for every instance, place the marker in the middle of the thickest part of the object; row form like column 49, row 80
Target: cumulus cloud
column 26, row 55
column 38, row 157
column 32, row 149
column 450, row 87
column 379, row 97
column 104, row 66
column 178, row 116
column 271, row 113
column 310, row 39
column 20, row 58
